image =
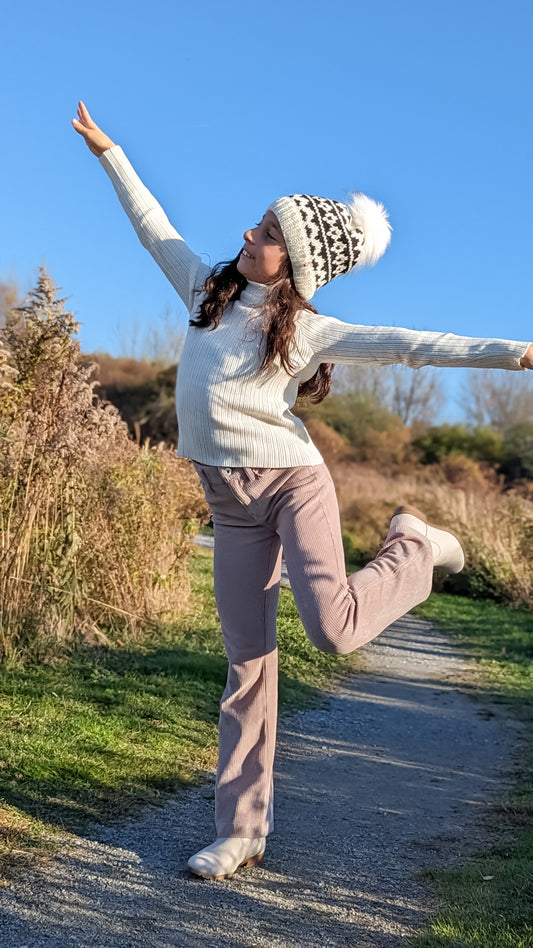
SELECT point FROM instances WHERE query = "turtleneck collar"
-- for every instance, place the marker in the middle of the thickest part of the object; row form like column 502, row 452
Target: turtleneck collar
column 254, row 293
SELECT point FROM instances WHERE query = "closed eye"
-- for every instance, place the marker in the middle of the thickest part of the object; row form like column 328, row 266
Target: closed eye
column 269, row 233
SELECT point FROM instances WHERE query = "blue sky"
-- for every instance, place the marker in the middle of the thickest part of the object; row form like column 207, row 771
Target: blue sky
column 222, row 108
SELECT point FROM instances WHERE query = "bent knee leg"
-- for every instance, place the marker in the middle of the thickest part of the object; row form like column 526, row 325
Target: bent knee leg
column 340, row 631
column 330, row 638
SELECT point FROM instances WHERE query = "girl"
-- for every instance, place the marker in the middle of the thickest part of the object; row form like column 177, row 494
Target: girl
column 254, row 344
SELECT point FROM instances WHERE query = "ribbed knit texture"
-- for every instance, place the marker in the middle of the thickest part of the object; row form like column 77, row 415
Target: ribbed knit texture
column 231, row 414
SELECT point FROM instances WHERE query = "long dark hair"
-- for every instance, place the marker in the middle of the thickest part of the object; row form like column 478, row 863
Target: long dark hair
column 225, row 284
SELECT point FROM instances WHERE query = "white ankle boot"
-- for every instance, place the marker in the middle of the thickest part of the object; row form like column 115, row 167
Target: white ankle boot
column 222, row 858
column 447, row 550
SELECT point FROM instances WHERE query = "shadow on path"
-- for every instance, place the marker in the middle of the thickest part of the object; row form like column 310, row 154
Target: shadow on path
column 392, row 774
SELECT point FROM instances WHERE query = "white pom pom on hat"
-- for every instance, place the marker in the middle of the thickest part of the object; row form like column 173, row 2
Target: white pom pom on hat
column 327, row 238
column 371, row 217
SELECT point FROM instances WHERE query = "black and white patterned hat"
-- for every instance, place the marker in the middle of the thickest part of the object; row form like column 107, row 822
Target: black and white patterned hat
column 326, row 238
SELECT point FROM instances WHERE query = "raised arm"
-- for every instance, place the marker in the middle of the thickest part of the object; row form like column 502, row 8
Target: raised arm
column 331, row 340
column 185, row 269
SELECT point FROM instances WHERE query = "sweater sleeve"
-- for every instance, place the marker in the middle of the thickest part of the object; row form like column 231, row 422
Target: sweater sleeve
column 185, row 269
column 330, row 340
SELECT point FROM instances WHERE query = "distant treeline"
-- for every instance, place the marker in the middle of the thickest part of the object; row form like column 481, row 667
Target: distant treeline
column 358, row 422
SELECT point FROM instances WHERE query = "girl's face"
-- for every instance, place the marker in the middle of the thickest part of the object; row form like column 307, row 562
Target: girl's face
column 264, row 251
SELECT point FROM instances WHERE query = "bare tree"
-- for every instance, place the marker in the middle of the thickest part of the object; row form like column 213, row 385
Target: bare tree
column 498, row 398
column 162, row 343
column 416, row 394
column 412, row 394
column 362, row 378
column 128, row 338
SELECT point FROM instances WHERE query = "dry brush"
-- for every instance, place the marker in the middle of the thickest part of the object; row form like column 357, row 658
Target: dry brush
column 95, row 530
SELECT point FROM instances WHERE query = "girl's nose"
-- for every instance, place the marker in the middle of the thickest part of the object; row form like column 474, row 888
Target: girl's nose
column 248, row 236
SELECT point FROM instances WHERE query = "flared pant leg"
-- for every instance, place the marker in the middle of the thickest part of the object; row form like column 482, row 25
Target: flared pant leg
column 247, row 575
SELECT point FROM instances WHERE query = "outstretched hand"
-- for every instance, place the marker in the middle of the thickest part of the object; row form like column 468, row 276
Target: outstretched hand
column 527, row 360
column 96, row 140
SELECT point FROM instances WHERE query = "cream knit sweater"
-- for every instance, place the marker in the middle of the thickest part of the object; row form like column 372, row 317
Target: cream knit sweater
column 229, row 413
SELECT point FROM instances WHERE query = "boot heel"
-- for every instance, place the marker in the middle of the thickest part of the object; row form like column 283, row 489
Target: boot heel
column 251, row 861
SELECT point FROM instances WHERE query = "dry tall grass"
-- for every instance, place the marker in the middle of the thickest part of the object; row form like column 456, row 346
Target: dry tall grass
column 95, row 531
column 496, row 527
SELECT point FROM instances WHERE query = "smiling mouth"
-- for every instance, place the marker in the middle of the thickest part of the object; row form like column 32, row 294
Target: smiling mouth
column 245, row 253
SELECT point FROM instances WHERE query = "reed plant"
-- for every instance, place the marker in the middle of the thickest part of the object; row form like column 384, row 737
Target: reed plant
column 95, row 530
column 495, row 526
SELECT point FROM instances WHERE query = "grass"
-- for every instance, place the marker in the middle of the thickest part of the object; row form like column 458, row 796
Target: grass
column 488, row 902
column 96, row 735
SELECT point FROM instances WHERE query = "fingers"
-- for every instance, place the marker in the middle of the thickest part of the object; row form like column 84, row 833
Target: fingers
column 79, row 127
column 84, row 116
column 96, row 140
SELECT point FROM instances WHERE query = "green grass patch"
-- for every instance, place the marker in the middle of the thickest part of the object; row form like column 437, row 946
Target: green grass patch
column 488, row 902
column 497, row 638
column 94, row 736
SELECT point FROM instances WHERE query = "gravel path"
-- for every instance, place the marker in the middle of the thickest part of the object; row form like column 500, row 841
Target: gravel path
column 392, row 774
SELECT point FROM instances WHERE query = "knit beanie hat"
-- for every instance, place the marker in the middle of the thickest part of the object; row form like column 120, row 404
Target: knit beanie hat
column 326, row 238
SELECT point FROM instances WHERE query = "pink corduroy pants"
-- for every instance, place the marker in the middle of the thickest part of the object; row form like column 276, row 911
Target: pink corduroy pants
column 257, row 513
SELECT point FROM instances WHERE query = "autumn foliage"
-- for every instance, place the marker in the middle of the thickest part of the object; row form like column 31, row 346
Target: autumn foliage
column 475, row 477
column 95, row 530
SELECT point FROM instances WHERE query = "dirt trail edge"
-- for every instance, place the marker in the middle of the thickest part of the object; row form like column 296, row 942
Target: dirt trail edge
column 392, row 774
